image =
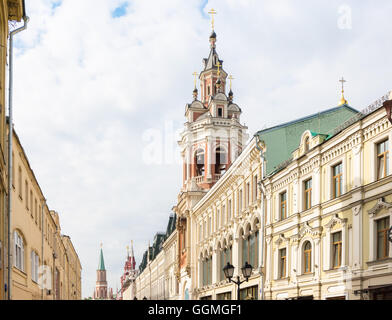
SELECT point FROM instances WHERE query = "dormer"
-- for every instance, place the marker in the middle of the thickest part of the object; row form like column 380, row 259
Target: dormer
column 308, row 141
column 194, row 110
column 218, row 106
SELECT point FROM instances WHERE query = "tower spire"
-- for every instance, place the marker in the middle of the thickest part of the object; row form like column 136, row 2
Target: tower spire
column 101, row 264
column 343, row 101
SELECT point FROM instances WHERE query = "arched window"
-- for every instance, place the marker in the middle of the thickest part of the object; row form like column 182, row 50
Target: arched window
column 307, row 257
column 19, row 251
column 207, row 271
column 199, row 160
column 250, row 250
column 220, row 161
column 225, row 257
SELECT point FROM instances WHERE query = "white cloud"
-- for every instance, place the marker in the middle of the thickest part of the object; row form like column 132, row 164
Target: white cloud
column 87, row 86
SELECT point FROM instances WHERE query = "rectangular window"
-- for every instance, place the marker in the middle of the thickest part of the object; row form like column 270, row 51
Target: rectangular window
column 249, row 293
column 283, row 205
column 19, row 251
column 247, row 195
column 36, row 211
column 337, row 180
column 382, row 238
column 27, row 194
column 217, row 220
column 308, row 194
column 255, row 188
column 229, row 212
column 220, row 112
column 20, row 181
column 31, row 203
column 382, row 159
column 240, row 202
column 282, row 263
column 34, row 266
column 337, row 250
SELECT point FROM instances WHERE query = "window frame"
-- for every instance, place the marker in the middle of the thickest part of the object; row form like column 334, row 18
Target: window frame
column 283, row 205
column 282, row 263
column 307, row 257
column 386, row 243
column 385, row 155
column 339, row 245
column 19, row 244
column 307, row 194
column 337, row 178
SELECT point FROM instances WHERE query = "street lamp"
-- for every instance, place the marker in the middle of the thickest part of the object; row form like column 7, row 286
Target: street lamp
column 229, row 272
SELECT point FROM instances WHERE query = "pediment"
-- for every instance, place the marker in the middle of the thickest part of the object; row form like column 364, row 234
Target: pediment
column 196, row 105
column 234, row 107
column 381, row 204
column 220, row 96
column 335, row 220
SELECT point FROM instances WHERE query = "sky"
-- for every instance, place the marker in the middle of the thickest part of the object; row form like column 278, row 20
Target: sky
column 100, row 88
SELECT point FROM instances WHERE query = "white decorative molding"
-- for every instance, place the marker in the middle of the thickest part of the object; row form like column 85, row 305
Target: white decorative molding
column 335, row 220
column 281, row 240
column 306, row 229
column 356, row 210
column 381, row 204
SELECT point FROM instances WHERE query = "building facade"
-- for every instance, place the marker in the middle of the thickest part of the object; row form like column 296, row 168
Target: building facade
column 156, row 279
column 45, row 265
column 308, row 204
column 9, row 11
column 328, row 212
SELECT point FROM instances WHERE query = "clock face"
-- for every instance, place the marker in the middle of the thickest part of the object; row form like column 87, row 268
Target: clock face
column 390, row 234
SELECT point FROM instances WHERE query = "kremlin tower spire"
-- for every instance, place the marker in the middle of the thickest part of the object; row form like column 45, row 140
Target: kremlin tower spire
column 101, row 286
column 130, row 272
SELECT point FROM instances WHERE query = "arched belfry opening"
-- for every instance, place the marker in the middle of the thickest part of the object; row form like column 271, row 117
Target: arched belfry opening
column 221, row 161
column 200, row 163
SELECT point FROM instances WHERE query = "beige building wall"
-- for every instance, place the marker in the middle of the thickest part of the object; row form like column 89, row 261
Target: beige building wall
column 36, row 231
column 7, row 13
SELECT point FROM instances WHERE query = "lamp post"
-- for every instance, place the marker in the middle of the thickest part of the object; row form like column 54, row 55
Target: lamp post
column 229, row 272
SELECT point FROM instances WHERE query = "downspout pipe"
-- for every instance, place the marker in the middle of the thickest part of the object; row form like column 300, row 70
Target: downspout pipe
column 262, row 192
column 10, row 133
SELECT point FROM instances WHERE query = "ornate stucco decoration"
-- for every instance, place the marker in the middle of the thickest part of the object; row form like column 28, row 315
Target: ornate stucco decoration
column 335, row 220
column 306, row 229
column 281, row 240
column 381, row 204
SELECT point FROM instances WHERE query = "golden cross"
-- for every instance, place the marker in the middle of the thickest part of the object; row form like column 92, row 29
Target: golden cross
column 342, row 81
column 218, row 65
column 101, row 244
column 231, row 78
column 195, row 74
column 212, row 12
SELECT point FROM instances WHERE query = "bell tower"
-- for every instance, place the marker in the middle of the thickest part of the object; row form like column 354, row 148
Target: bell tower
column 212, row 139
column 213, row 136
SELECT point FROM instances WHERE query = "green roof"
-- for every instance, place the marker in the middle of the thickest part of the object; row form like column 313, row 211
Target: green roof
column 283, row 139
column 101, row 265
